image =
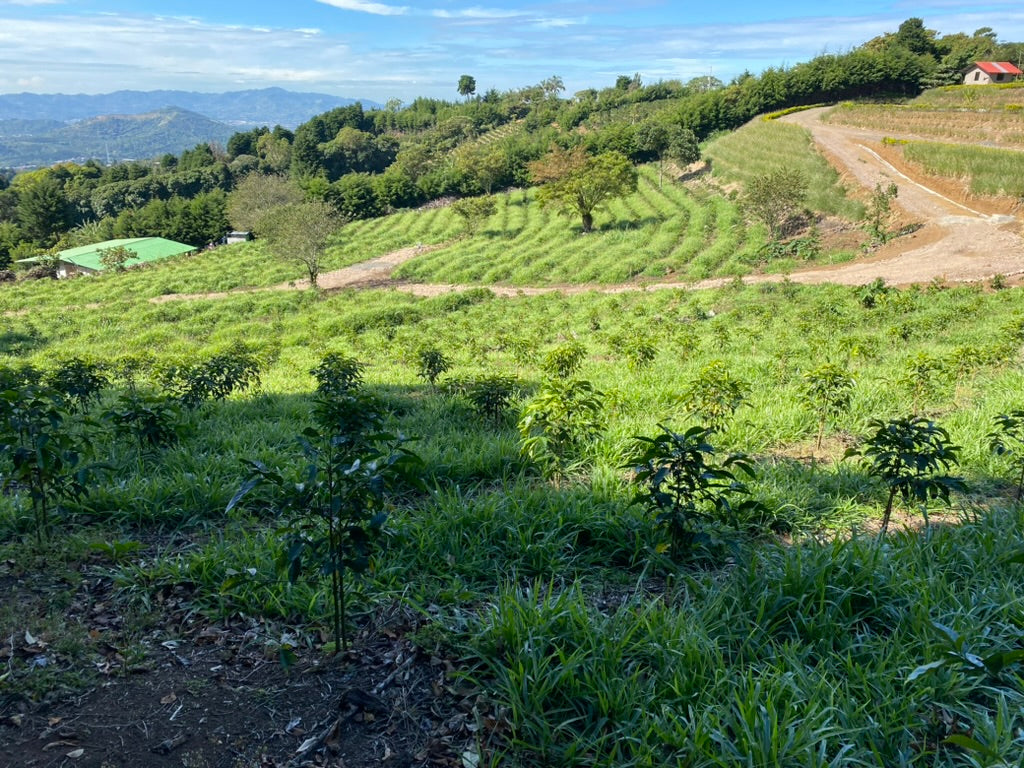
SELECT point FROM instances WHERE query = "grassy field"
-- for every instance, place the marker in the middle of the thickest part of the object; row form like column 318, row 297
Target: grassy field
column 661, row 230
column 989, row 126
column 764, row 145
column 783, row 644
column 987, row 171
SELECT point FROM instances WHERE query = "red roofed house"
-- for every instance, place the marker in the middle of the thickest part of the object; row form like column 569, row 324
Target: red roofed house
column 986, row 72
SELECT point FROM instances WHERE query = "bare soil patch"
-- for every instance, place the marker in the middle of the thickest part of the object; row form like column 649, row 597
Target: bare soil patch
column 191, row 693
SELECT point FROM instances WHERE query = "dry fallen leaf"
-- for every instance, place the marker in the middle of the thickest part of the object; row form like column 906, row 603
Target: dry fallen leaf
column 55, row 744
column 169, row 698
column 76, row 753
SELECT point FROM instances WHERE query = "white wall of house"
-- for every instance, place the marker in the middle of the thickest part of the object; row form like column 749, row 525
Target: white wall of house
column 975, row 76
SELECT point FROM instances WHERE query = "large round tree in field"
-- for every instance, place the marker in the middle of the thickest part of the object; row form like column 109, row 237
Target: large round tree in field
column 577, row 184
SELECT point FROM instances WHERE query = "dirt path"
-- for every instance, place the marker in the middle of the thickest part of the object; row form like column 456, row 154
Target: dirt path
column 366, row 274
column 958, row 241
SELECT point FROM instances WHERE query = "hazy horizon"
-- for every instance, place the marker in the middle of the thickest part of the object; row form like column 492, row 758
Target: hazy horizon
column 380, row 50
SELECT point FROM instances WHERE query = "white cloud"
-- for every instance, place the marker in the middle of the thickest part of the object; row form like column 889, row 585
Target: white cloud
column 557, row 23
column 378, row 9
column 476, row 13
column 31, row 2
column 103, row 53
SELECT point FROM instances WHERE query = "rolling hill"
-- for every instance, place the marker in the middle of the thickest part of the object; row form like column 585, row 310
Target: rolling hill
column 264, row 106
column 25, row 143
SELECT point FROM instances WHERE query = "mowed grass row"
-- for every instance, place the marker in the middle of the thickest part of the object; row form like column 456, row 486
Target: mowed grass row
column 662, row 229
column 761, row 146
column 975, row 126
column 988, row 171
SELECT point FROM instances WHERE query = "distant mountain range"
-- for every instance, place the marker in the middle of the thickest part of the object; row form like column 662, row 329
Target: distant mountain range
column 41, row 129
column 31, row 143
column 266, row 106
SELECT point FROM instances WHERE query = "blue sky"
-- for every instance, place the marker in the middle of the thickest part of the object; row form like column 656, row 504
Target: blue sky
column 382, row 49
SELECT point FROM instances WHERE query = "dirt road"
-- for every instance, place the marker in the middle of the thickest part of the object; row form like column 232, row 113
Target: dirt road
column 956, row 243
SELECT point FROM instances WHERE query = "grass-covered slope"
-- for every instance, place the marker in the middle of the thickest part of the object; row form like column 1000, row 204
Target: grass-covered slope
column 659, row 230
column 970, row 114
column 987, row 171
column 553, row 597
column 762, row 146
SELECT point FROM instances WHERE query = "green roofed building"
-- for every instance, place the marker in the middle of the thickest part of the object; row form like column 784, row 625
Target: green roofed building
column 86, row 259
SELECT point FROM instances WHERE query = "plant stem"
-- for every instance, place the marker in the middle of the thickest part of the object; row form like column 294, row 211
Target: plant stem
column 888, row 512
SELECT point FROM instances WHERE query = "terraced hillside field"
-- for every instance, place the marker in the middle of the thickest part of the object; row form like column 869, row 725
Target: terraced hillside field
column 658, row 231
column 993, row 118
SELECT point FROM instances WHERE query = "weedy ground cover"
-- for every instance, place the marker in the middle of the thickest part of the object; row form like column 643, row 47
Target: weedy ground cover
column 601, row 645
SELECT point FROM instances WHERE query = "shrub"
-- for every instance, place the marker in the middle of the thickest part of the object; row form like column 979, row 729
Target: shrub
column 489, row 396
column 683, row 487
column 564, row 360
column 431, row 363
column 827, row 389
column 715, row 395
column 911, row 456
column 558, row 422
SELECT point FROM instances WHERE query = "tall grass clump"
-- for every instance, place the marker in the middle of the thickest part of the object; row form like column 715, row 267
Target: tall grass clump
column 988, row 171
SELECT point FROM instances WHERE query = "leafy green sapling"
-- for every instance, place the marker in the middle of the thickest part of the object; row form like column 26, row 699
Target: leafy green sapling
column 912, row 456
column 827, row 389
column 685, row 489
column 1007, row 439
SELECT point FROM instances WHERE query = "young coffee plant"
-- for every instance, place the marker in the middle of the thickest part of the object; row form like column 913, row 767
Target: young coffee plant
column 151, row 420
column 194, row 383
column 565, row 360
column 714, row 395
column 431, row 363
column 43, row 450
column 558, row 423
column 80, row 381
column 827, row 390
column 337, row 374
column 685, row 489
column 335, row 510
column 1007, row 439
column 342, row 406
column 872, row 294
column 912, row 457
column 923, row 377
column 636, row 346
column 489, row 396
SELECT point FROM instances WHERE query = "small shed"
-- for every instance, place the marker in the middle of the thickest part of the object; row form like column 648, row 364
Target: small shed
column 237, row 237
column 86, row 259
column 988, row 72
